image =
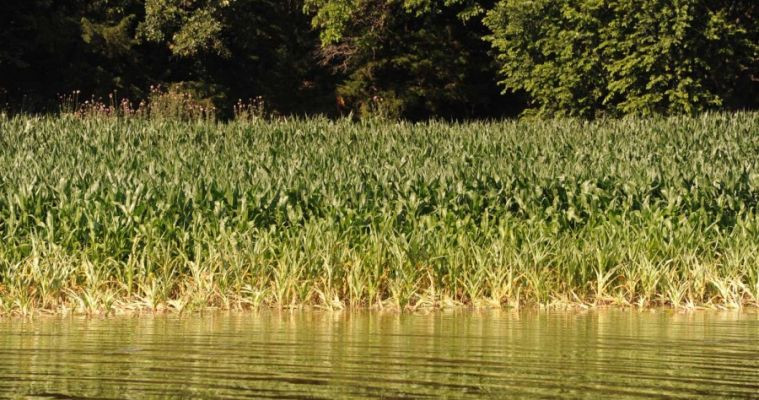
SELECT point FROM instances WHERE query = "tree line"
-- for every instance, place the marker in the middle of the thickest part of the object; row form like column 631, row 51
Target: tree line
column 398, row 58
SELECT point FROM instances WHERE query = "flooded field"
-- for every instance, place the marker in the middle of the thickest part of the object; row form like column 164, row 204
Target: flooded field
column 301, row 355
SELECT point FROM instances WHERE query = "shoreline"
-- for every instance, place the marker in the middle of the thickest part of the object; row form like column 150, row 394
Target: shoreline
column 135, row 310
column 311, row 310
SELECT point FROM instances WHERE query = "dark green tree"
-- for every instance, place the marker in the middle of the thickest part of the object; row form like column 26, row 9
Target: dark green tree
column 223, row 50
column 590, row 57
column 409, row 58
column 51, row 47
column 237, row 49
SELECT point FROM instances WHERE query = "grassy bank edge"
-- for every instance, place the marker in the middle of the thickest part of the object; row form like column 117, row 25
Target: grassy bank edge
column 85, row 304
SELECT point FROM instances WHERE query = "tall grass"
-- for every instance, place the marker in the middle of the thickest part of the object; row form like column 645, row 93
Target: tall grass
column 106, row 214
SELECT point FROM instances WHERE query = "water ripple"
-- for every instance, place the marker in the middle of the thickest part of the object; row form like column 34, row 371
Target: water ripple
column 312, row 355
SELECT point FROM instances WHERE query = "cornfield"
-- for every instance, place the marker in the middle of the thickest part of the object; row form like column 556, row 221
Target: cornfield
column 102, row 215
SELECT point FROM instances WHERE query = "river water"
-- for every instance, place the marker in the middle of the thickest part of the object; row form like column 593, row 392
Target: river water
column 463, row 354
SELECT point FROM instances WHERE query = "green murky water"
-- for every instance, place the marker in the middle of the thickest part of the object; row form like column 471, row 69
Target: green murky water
column 620, row 354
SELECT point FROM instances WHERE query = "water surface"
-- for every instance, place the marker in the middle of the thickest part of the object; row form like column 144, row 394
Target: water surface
column 302, row 355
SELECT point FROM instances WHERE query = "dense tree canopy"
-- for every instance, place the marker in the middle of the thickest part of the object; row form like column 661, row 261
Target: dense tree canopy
column 223, row 50
column 398, row 58
column 238, row 49
column 412, row 58
column 584, row 57
column 49, row 47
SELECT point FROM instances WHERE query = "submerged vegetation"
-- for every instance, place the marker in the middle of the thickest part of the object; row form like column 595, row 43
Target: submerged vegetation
column 104, row 214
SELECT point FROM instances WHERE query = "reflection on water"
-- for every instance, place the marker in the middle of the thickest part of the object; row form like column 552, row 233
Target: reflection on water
column 624, row 354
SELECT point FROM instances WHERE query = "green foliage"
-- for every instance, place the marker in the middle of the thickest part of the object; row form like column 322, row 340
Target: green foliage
column 158, row 213
column 54, row 47
column 590, row 57
column 188, row 27
column 247, row 48
column 408, row 58
column 333, row 17
column 241, row 49
column 413, row 59
column 110, row 40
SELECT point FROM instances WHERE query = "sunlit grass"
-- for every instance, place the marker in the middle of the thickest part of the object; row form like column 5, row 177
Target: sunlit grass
column 102, row 215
